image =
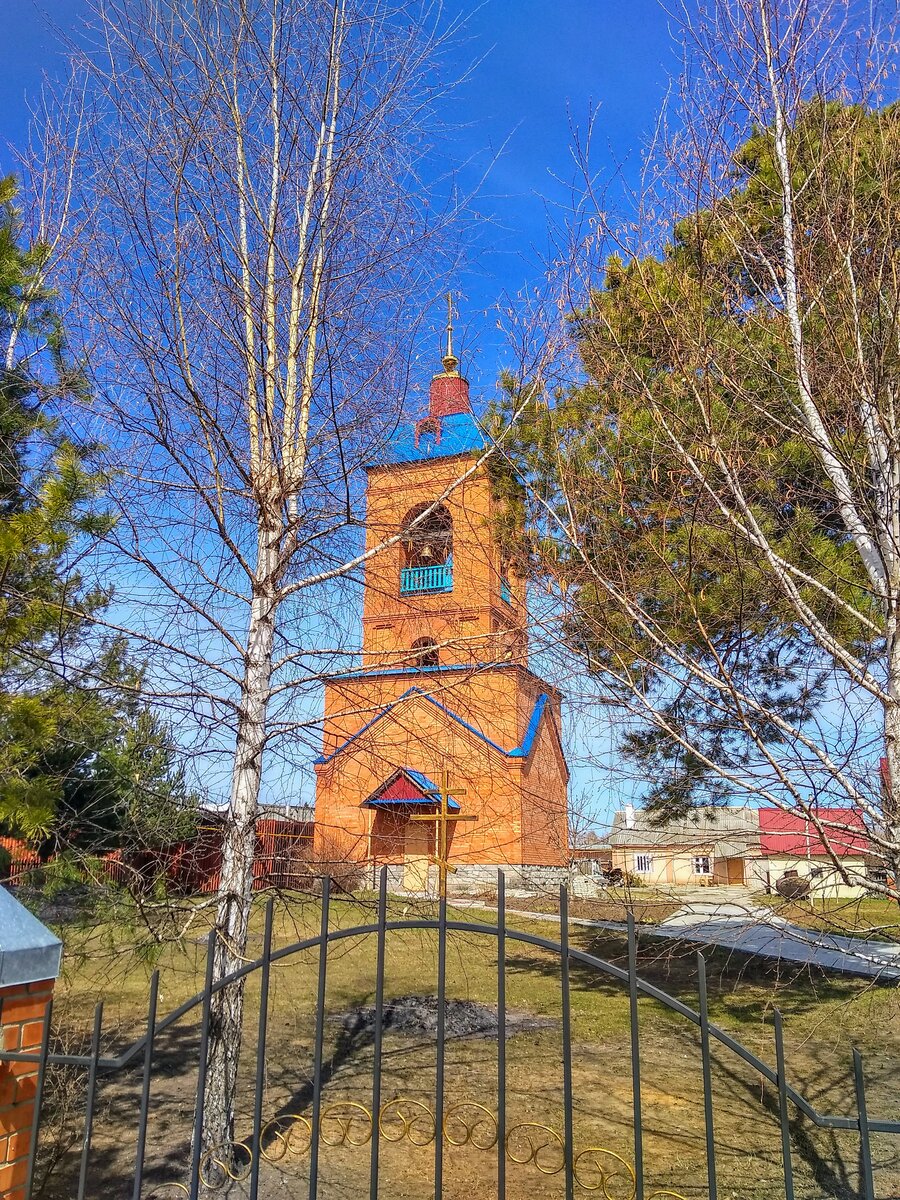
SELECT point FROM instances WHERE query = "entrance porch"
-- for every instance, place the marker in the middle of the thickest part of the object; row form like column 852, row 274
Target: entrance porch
column 399, row 837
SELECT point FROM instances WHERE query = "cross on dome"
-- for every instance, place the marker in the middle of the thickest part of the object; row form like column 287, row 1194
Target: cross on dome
column 449, row 392
column 450, row 361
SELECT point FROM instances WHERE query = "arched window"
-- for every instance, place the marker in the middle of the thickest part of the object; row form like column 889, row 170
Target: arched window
column 425, row 652
column 428, row 543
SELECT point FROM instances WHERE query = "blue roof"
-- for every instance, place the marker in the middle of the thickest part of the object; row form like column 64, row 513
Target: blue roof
column 431, row 790
column 441, row 669
column 520, row 751
column 459, row 435
column 29, row 952
column 423, row 782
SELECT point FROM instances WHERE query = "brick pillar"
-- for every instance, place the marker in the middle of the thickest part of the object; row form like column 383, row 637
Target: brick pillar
column 23, row 1009
column 29, row 964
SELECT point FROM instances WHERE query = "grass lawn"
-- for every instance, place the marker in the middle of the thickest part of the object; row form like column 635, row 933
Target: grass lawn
column 869, row 918
column 647, row 907
column 824, row 1018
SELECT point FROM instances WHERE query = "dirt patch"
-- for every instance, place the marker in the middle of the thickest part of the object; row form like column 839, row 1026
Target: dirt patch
column 417, row 1016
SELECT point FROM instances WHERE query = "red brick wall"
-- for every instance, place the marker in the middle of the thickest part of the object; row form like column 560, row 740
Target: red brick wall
column 23, row 1010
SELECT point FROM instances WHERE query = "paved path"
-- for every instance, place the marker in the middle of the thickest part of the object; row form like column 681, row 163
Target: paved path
column 755, row 930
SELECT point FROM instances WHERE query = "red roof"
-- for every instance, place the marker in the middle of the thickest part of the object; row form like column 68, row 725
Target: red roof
column 791, row 834
column 406, row 786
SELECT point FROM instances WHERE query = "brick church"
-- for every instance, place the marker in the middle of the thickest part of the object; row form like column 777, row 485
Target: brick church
column 444, row 692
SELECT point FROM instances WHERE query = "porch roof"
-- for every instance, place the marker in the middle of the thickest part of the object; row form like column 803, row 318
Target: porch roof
column 405, row 787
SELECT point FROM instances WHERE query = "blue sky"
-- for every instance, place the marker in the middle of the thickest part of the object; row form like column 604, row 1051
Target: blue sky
column 546, row 66
column 542, row 66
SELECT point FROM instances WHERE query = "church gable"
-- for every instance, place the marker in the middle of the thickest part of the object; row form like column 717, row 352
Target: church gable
column 546, row 743
column 400, row 707
column 417, row 731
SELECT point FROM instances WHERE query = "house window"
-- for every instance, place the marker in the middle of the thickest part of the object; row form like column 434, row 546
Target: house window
column 702, row 864
column 643, row 863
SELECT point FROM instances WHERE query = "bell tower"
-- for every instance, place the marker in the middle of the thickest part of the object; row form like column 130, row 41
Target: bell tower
column 445, row 684
column 440, row 594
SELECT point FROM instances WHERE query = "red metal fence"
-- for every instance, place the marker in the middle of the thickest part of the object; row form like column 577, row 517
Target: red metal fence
column 22, row 859
column 284, row 848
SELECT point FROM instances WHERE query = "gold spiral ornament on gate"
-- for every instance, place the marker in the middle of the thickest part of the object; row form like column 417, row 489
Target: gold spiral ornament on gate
column 346, row 1123
column 538, row 1140
column 597, row 1169
column 411, row 1120
column 471, row 1124
column 230, row 1162
column 288, row 1135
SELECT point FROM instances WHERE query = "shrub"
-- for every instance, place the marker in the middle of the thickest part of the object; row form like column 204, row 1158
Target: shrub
column 309, row 865
column 346, row 873
column 69, row 887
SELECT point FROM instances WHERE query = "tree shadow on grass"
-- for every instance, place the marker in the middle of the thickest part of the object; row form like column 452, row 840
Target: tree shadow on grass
column 116, row 1120
column 356, row 1036
column 672, row 967
column 800, row 988
column 838, row 1173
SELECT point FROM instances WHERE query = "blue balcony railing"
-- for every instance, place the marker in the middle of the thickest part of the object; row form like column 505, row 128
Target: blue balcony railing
column 505, row 590
column 416, row 580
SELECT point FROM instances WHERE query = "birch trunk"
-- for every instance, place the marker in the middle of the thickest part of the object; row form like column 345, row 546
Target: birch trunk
column 891, row 785
column 238, row 845
column 275, row 226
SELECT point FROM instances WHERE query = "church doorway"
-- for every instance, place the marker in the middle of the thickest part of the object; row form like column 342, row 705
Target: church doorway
column 416, row 847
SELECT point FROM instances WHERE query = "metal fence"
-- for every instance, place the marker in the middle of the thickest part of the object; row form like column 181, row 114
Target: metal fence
column 368, row 1126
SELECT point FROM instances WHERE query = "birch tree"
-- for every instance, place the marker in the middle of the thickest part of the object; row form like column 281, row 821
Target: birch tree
column 716, row 494
column 257, row 251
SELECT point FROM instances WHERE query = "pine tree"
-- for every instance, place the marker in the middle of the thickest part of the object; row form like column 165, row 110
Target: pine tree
column 707, row 509
column 82, row 761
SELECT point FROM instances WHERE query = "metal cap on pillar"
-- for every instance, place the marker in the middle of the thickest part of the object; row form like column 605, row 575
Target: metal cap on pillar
column 29, row 952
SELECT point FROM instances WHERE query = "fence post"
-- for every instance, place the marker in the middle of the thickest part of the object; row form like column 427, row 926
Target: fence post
column 29, row 965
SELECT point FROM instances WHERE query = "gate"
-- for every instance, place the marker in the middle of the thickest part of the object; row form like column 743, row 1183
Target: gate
column 436, row 1129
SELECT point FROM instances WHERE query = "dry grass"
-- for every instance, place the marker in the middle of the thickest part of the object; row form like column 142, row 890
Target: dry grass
column 823, row 1019
column 869, row 918
column 647, row 909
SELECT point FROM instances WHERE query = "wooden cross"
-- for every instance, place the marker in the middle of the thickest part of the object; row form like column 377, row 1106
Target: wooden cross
column 442, row 819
